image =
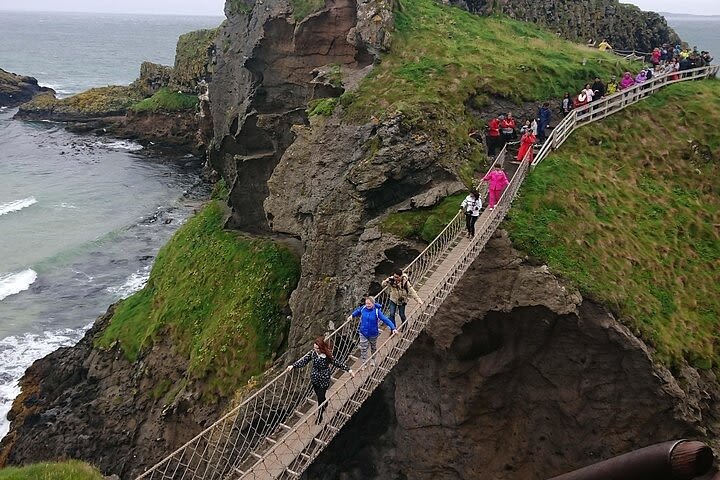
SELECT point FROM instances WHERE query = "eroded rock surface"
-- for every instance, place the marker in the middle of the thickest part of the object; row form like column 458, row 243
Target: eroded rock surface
column 518, row 376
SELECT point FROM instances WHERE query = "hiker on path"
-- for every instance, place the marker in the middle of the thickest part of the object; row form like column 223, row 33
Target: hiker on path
column 471, row 206
column 627, row 81
column 493, row 136
column 543, row 121
column 507, row 129
column 321, row 357
column 399, row 288
column 598, row 88
column 526, row 143
column 497, row 181
column 604, row 45
column 567, row 104
column 612, row 85
column 369, row 314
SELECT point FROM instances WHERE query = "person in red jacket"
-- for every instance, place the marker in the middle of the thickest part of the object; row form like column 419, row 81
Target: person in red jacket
column 526, row 143
column 507, row 129
column 493, row 136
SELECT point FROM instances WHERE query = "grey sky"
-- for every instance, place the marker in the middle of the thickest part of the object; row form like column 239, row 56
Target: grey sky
column 171, row 7
column 215, row 7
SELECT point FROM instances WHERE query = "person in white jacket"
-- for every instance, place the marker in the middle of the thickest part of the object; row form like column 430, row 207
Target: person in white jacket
column 471, row 206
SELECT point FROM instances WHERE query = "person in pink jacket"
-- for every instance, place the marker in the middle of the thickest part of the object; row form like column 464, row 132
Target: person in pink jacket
column 497, row 181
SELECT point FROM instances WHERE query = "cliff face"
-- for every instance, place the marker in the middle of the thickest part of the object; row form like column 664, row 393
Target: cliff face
column 518, row 376
column 92, row 404
column 625, row 26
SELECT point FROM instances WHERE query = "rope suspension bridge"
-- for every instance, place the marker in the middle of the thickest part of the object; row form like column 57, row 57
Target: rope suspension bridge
column 273, row 433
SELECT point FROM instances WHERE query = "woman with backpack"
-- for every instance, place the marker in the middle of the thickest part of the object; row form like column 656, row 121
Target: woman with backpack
column 321, row 357
column 370, row 313
column 399, row 288
column 471, row 206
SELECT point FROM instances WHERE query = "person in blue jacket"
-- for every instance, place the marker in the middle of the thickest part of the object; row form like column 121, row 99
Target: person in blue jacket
column 370, row 313
column 543, row 121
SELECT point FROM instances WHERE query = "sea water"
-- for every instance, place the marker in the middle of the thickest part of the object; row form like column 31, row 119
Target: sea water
column 81, row 217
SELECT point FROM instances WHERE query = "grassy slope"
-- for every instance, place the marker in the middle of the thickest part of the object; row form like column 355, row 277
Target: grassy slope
column 96, row 101
column 443, row 56
column 629, row 210
column 72, row 470
column 221, row 297
column 166, row 100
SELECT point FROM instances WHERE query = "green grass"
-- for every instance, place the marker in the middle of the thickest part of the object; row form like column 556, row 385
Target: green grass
column 303, row 8
column 322, row 106
column 220, row 296
column 629, row 210
column 166, row 100
column 71, row 470
column 423, row 224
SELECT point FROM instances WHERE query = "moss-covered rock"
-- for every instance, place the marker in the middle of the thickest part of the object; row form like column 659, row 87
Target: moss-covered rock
column 153, row 77
column 96, row 102
column 193, row 60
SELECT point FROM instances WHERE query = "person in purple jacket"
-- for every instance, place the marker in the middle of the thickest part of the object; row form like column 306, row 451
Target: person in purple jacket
column 369, row 314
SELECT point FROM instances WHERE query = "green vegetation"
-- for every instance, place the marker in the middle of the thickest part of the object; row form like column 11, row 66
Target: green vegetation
column 71, row 470
column 166, row 100
column 96, row 101
column 222, row 298
column 303, row 8
column 236, row 7
column 629, row 211
column 322, row 106
column 426, row 223
column 192, row 59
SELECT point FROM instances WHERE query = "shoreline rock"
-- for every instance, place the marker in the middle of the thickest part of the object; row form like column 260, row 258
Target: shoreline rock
column 17, row 89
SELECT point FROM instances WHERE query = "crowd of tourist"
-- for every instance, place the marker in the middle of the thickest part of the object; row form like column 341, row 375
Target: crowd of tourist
column 501, row 130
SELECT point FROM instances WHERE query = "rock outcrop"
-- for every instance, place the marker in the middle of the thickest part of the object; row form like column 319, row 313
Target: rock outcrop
column 17, row 89
column 92, row 404
column 625, row 26
column 518, row 376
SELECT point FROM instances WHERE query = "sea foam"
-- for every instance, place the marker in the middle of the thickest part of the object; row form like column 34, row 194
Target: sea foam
column 16, row 205
column 12, row 283
column 18, row 353
column 132, row 284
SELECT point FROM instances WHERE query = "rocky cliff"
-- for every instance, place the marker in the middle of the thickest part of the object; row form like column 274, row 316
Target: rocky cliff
column 625, row 26
column 518, row 376
column 17, row 89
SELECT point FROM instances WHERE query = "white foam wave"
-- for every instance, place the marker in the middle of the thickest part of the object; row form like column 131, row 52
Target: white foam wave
column 134, row 282
column 16, row 205
column 18, row 353
column 122, row 145
column 65, row 205
column 12, row 283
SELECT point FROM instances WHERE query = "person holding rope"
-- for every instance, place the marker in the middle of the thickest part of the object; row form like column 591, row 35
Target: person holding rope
column 321, row 357
column 471, row 206
column 497, row 181
column 399, row 288
column 370, row 314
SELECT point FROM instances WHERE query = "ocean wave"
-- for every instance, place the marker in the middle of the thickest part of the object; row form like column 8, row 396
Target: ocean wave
column 18, row 353
column 16, row 205
column 126, row 145
column 134, row 282
column 13, row 283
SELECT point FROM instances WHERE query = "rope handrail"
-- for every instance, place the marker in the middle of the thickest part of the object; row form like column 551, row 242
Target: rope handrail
column 270, row 434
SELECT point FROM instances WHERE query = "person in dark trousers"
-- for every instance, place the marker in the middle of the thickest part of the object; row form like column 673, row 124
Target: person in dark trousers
column 598, row 88
column 400, row 290
column 370, row 313
column 493, row 136
column 567, row 104
column 471, row 206
column 321, row 357
column 543, row 121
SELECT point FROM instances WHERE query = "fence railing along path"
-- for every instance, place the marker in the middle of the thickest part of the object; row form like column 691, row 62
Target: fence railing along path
column 273, row 432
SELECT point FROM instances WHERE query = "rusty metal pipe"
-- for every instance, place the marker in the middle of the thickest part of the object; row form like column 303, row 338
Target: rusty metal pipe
column 676, row 460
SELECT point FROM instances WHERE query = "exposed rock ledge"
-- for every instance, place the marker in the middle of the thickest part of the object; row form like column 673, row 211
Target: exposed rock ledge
column 518, row 376
column 17, row 89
